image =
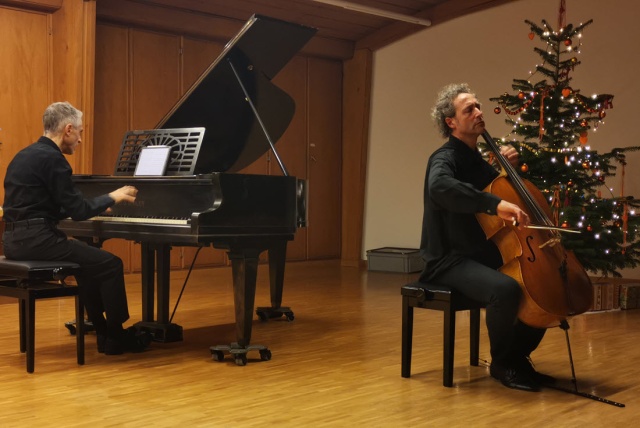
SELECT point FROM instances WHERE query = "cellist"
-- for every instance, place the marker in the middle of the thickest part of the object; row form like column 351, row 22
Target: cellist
column 454, row 246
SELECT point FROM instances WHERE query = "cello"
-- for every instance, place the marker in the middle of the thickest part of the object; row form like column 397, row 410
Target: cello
column 555, row 286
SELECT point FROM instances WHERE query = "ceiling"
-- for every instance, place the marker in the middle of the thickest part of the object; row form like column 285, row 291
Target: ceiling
column 360, row 29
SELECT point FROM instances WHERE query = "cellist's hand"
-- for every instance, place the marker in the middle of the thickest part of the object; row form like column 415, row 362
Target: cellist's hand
column 510, row 154
column 512, row 213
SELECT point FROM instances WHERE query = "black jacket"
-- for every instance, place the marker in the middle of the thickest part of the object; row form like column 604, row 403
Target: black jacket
column 453, row 194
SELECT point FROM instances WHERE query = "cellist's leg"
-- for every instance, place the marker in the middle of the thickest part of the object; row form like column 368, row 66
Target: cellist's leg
column 501, row 295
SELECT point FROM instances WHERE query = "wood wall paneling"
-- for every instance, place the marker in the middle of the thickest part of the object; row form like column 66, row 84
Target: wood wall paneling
column 155, row 76
column 325, row 158
column 72, row 72
column 25, row 89
column 112, row 110
column 292, row 146
column 41, row 5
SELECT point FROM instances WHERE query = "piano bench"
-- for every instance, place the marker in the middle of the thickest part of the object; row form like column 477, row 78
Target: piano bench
column 449, row 301
column 29, row 281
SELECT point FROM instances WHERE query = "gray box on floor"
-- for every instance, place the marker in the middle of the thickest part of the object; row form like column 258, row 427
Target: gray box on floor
column 391, row 259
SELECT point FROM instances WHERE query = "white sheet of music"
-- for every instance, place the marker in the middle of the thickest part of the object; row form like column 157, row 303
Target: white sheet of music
column 152, row 161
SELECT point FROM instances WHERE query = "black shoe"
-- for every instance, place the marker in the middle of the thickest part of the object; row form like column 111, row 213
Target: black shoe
column 513, row 378
column 102, row 341
column 128, row 340
column 527, row 367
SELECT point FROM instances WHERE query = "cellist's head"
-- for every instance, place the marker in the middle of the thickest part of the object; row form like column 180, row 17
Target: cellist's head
column 457, row 112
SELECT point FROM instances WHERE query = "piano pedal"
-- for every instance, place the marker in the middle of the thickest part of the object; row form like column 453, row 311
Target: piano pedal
column 239, row 353
column 71, row 326
column 265, row 313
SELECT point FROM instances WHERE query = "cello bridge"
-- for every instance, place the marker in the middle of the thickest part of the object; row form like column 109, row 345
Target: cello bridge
column 551, row 242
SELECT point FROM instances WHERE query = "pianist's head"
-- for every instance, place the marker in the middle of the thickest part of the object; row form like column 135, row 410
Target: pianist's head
column 63, row 124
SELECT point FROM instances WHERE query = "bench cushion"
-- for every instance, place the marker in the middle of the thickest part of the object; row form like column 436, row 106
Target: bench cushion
column 44, row 270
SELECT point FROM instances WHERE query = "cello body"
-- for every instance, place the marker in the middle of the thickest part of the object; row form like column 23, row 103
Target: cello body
column 555, row 286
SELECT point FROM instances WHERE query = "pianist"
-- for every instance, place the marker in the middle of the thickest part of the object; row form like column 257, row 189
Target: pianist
column 39, row 192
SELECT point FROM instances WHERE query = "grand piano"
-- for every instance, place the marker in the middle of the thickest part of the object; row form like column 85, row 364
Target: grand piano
column 230, row 117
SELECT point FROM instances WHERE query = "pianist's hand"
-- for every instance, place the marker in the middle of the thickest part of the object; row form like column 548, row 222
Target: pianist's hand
column 125, row 193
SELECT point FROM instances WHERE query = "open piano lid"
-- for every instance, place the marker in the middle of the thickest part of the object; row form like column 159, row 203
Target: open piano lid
column 234, row 137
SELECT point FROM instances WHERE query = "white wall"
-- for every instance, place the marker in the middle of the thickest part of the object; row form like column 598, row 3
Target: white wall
column 487, row 50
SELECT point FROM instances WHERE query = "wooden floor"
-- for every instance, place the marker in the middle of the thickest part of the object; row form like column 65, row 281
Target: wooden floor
column 336, row 365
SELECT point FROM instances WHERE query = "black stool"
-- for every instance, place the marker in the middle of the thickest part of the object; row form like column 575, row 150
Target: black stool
column 420, row 295
column 29, row 281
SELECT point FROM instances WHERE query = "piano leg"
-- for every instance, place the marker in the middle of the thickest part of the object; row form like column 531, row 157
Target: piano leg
column 277, row 259
column 161, row 329
column 244, row 265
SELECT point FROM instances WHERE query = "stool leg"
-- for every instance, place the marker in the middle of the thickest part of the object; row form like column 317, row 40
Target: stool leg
column 474, row 334
column 23, row 324
column 407, row 336
column 30, row 316
column 80, row 329
column 449, row 340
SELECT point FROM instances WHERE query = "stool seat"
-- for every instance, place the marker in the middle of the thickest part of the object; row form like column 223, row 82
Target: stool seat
column 448, row 300
column 37, row 270
column 30, row 280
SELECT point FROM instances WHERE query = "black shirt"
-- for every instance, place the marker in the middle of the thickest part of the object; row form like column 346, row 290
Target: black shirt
column 453, row 194
column 38, row 185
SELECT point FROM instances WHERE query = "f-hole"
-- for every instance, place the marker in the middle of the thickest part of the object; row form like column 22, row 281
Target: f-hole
column 532, row 257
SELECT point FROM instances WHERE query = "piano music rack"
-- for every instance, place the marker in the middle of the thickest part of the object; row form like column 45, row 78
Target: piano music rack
column 184, row 142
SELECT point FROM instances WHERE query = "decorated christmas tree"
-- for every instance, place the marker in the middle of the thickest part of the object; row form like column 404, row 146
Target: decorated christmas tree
column 551, row 121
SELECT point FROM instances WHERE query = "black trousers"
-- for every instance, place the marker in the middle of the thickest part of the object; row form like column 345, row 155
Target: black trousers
column 509, row 338
column 101, row 280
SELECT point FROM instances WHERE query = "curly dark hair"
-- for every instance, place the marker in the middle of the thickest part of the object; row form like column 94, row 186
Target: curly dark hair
column 444, row 106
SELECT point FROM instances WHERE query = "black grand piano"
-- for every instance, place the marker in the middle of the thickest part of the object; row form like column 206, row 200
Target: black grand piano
column 229, row 118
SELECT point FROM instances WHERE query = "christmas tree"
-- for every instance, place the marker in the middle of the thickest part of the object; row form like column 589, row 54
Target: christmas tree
column 551, row 122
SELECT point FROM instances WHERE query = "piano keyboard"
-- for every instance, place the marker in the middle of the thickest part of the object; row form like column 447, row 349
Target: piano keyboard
column 152, row 220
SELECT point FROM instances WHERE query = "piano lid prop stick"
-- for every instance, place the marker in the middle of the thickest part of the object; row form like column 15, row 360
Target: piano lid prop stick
column 257, row 115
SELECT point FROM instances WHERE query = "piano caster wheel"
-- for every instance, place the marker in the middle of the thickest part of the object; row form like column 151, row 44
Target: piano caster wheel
column 269, row 313
column 265, row 354
column 217, row 356
column 241, row 359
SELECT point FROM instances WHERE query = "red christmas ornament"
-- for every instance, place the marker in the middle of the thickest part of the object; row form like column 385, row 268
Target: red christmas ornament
column 567, row 42
column 565, row 224
column 584, row 138
column 584, row 123
column 524, row 167
column 570, row 183
column 521, row 95
column 602, row 114
column 531, row 35
column 497, row 110
column 566, row 92
column 585, row 165
column 589, row 228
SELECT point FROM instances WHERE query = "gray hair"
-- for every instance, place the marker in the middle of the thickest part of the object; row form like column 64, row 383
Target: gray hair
column 57, row 115
column 444, row 107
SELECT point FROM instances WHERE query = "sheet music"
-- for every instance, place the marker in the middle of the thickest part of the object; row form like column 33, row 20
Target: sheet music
column 153, row 161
